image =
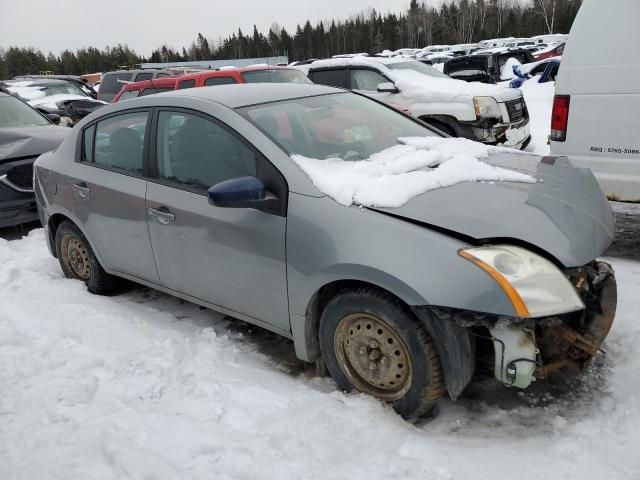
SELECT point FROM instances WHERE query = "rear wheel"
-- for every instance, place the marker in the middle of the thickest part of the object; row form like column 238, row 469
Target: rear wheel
column 373, row 343
column 78, row 261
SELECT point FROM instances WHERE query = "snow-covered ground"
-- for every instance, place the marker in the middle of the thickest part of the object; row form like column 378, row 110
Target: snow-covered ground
column 539, row 98
column 143, row 386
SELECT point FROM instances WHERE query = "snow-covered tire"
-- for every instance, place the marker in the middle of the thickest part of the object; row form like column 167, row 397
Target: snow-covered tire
column 361, row 327
column 78, row 261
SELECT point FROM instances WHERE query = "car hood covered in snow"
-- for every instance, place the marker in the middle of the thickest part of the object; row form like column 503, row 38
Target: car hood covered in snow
column 564, row 213
column 30, row 141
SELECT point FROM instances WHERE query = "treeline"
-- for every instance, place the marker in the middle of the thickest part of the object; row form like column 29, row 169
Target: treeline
column 455, row 21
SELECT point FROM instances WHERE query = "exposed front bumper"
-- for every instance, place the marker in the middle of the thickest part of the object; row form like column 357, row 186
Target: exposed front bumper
column 512, row 135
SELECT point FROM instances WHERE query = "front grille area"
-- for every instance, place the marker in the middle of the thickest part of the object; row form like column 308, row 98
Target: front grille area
column 21, row 176
column 517, row 110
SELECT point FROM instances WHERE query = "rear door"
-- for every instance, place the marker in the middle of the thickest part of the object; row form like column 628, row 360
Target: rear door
column 108, row 192
column 233, row 258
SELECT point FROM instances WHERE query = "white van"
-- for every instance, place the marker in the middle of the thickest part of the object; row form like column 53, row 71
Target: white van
column 596, row 111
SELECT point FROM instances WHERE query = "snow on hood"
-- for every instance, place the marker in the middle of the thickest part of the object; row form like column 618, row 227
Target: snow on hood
column 394, row 176
column 422, row 88
column 52, row 100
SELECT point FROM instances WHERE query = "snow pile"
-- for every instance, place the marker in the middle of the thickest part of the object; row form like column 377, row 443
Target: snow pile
column 394, row 176
column 539, row 98
column 26, row 92
column 52, row 100
column 144, row 386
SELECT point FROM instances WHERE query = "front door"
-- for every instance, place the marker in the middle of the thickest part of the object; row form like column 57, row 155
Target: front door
column 233, row 258
column 108, row 193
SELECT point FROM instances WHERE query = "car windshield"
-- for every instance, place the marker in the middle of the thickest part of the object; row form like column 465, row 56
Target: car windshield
column 285, row 75
column 417, row 67
column 62, row 89
column 15, row 113
column 340, row 125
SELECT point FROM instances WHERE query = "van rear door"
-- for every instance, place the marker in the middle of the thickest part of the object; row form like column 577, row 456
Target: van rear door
column 599, row 82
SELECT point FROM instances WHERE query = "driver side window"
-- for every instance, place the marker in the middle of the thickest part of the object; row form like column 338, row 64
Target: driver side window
column 197, row 152
column 367, row 80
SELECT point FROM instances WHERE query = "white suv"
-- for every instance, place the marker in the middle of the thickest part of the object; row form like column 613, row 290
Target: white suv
column 486, row 113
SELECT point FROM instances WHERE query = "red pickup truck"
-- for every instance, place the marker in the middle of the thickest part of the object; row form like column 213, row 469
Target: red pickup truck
column 146, row 87
column 207, row 78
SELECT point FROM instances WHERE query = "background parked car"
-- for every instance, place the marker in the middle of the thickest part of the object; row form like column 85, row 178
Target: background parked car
column 75, row 79
column 487, row 66
column 112, row 82
column 24, row 134
column 595, row 117
column 146, row 87
column 485, row 113
column 57, row 97
column 230, row 75
column 552, row 51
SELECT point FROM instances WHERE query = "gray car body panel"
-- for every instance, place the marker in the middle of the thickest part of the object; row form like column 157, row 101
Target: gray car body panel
column 564, row 213
column 327, row 242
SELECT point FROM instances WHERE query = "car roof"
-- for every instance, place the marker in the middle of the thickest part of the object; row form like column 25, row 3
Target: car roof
column 357, row 60
column 157, row 82
column 229, row 71
column 241, row 95
column 37, row 82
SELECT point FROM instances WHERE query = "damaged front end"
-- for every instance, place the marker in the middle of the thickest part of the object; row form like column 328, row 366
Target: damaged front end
column 525, row 350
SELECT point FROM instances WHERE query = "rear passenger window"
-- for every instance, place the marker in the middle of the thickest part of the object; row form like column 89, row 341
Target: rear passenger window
column 144, row 76
column 333, row 78
column 118, row 142
column 151, row 91
column 187, row 84
column 129, row 94
column 218, row 81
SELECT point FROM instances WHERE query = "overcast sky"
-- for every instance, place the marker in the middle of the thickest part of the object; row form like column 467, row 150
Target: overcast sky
column 55, row 25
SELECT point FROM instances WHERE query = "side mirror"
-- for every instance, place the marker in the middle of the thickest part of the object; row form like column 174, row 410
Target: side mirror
column 54, row 117
column 242, row 192
column 388, row 88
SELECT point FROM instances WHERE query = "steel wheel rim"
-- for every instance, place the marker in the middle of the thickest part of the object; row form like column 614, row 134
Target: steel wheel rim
column 373, row 356
column 76, row 257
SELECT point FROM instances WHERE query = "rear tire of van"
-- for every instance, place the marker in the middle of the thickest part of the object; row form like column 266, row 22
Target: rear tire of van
column 372, row 343
column 78, row 261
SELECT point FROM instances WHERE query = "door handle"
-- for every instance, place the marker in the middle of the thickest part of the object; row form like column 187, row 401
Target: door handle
column 81, row 189
column 163, row 215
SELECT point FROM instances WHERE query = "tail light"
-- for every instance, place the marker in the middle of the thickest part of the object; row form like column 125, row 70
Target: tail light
column 560, row 118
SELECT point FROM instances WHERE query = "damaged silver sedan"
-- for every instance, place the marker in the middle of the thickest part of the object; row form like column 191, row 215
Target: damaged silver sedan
column 200, row 193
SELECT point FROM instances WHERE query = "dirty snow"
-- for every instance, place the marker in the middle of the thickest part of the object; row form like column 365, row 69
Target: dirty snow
column 394, row 176
column 144, row 386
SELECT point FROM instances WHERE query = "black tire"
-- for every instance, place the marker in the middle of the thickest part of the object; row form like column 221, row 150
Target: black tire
column 421, row 390
column 78, row 261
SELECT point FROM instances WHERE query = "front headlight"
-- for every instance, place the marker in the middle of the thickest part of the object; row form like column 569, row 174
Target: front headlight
column 486, row 107
column 534, row 286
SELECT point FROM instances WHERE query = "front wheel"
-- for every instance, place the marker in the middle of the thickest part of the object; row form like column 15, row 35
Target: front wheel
column 78, row 261
column 371, row 342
